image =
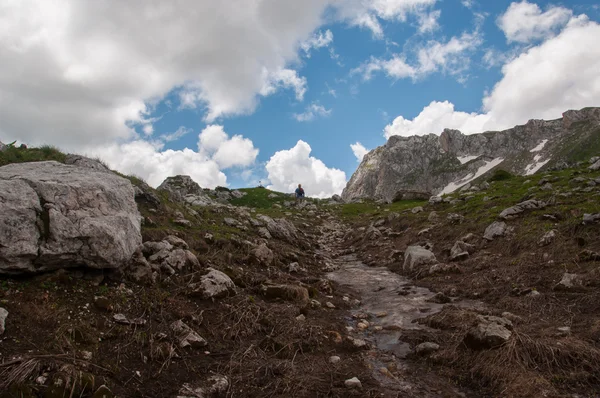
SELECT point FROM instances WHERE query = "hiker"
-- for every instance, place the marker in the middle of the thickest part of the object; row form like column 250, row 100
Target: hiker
column 299, row 193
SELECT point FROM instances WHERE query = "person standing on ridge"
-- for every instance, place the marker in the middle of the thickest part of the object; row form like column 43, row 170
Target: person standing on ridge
column 299, row 193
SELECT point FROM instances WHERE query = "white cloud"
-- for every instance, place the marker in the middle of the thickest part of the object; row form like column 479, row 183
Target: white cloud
column 288, row 168
column 468, row 3
column 312, row 111
column 316, row 41
column 180, row 132
column 227, row 152
column 74, row 73
column 449, row 57
column 149, row 162
column 525, row 22
column 542, row 83
column 359, row 151
column 366, row 14
column 428, row 21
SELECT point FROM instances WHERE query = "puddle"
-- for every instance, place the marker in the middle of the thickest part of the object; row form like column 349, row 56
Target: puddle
column 392, row 302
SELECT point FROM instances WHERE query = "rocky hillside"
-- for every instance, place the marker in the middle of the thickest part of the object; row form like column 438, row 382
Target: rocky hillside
column 434, row 164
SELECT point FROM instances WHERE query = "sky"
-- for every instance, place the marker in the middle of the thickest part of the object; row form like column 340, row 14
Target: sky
column 280, row 92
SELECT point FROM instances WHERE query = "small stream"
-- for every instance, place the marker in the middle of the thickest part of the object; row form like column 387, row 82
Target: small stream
column 393, row 303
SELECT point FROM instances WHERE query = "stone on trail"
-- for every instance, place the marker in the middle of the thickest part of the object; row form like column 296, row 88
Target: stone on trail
column 186, row 336
column 494, row 230
column 263, row 255
column 426, row 348
column 334, row 359
column 55, row 216
column 417, row 256
column 515, row 210
column 3, row 316
column 416, row 210
column 461, row 251
column 591, row 218
column 490, row 332
column 215, row 284
column 548, row 238
column 569, row 281
column 353, row 383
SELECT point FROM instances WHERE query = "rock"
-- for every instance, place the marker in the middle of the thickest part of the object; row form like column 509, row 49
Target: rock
column 443, row 268
column 329, row 304
column 182, row 188
column 417, row 256
column 238, row 194
column 183, row 222
column 494, row 230
column 264, row 233
column 595, row 166
column 358, row 343
column 334, row 359
column 548, row 238
column 564, row 330
column 263, row 255
column 293, row 267
column 337, row 198
column 82, row 161
column 231, row 222
column 214, row 386
column 416, row 210
column 56, row 216
column 433, row 217
column 287, row 292
column 435, row 200
column 426, row 348
column 186, row 336
column 489, row 333
column 591, row 218
column 144, row 194
column 3, row 316
column 124, row 320
column 461, row 251
column 301, row 318
column 514, row 211
column 455, row 218
column 569, row 281
column 280, row 228
column 353, row 383
column 215, row 284
column 273, row 196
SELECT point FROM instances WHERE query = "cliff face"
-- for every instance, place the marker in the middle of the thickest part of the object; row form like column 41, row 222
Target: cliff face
column 442, row 164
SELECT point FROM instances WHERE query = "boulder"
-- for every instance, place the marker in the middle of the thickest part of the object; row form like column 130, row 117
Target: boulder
column 433, row 217
column 238, row 194
column 263, row 255
column 595, row 166
column 82, row 161
column 215, row 284
column 461, row 251
column 494, row 230
column 455, row 218
column 417, row 256
column 426, row 348
column 182, row 188
column 56, row 216
column 591, row 218
column 264, row 233
column 416, row 210
column 514, row 211
column 280, row 228
column 490, row 332
column 337, row 198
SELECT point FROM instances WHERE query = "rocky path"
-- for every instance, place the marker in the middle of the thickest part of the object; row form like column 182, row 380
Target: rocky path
column 387, row 308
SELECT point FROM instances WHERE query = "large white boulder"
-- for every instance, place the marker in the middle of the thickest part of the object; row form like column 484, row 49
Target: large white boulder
column 54, row 216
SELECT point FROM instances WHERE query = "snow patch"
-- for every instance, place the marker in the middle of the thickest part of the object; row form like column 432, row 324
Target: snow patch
column 453, row 186
column 539, row 147
column 536, row 165
column 466, row 159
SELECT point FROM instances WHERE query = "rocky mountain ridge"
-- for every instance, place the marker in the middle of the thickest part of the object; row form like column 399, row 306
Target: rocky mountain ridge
column 442, row 164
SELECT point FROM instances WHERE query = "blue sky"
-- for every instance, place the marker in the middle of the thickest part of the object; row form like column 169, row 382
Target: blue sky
column 367, row 69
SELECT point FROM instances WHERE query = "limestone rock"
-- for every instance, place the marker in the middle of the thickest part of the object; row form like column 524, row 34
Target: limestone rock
column 56, row 216
column 264, row 233
column 494, row 230
column 353, row 383
column 263, row 254
column 416, row 210
column 514, row 211
column 461, row 251
column 595, row 166
column 490, row 332
column 3, row 316
column 186, row 336
column 182, row 188
column 426, row 348
column 569, row 281
column 417, row 256
column 591, row 218
column 548, row 238
column 215, row 284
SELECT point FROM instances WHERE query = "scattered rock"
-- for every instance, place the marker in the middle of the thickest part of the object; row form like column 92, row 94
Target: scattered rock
column 433, row 217
column 334, row 359
column 514, row 211
column 595, row 166
column 443, row 268
column 329, row 304
column 124, row 320
column 569, row 281
column 263, row 255
column 564, row 330
column 494, row 230
column 417, row 256
column 591, row 218
column 301, row 318
column 548, row 238
column 490, row 332
column 214, row 386
column 264, row 233
column 3, row 316
column 293, row 267
column 426, row 348
column 353, row 383
column 455, row 218
column 461, row 251
column 215, row 284
column 416, row 210
column 186, row 336
column 357, row 343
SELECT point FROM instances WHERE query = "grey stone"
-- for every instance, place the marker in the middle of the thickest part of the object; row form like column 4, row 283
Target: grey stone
column 461, row 251
column 487, row 334
column 215, row 284
column 186, row 336
column 353, row 383
column 426, row 348
column 569, row 281
column 591, row 218
column 494, row 230
column 595, row 166
column 548, row 238
column 263, row 254
column 416, row 257
column 455, row 218
column 514, row 211
column 214, row 386
column 334, row 359
column 183, row 189
column 231, row 222
column 416, row 210
column 123, row 319
column 3, row 316
column 238, row 194
column 56, row 216
column 264, row 233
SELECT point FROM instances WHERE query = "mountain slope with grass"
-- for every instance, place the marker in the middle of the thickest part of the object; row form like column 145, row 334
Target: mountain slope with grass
column 441, row 164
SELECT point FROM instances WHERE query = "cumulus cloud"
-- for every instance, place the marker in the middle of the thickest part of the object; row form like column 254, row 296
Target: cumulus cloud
column 525, row 22
column 366, row 14
column 288, row 168
column 312, row 111
column 449, row 57
column 428, row 21
column 227, row 152
column 180, row 132
column 77, row 73
column 316, row 41
column 359, row 151
column 541, row 83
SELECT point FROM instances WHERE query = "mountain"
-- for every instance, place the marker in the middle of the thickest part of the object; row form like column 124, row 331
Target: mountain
column 433, row 164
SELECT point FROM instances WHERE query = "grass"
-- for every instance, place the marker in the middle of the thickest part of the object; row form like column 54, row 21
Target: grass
column 258, row 198
column 13, row 154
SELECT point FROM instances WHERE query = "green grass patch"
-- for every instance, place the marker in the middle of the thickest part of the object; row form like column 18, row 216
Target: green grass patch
column 13, row 154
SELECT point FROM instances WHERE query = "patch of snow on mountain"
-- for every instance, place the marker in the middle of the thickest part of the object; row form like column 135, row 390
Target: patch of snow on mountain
column 466, row 159
column 539, row 147
column 536, row 165
column 453, row 186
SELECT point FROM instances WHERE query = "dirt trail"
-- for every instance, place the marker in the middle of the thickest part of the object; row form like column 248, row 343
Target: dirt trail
column 391, row 305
